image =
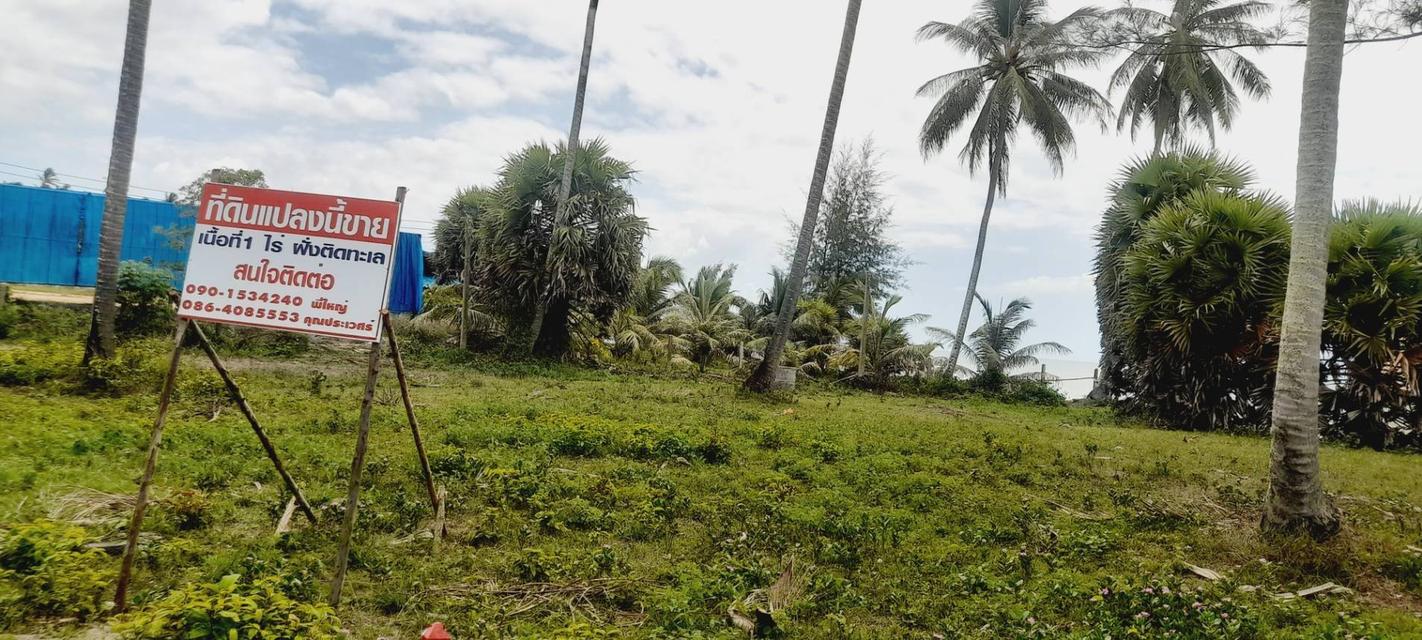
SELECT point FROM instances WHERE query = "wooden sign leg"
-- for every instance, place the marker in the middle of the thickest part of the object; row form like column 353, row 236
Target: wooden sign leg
column 130, row 549
column 256, row 426
column 410, row 414
column 357, row 466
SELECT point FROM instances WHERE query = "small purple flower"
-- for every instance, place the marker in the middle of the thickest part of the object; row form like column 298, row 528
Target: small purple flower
column 1142, row 615
column 1149, row 590
column 1224, row 615
column 1105, row 592
column 1031, row 620
column 1165, row 590
column 1198, row 605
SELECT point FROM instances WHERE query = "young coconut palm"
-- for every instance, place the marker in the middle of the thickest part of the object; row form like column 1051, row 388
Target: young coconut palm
column 993, row 347
column 1018, row 81
column 886, row 348
column 702, row 314
column 1181, row 76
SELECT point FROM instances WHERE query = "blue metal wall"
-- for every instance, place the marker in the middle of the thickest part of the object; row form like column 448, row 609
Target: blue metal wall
column 49, row 236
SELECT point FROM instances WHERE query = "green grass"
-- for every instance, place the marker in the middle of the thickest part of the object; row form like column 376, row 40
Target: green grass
column 647, row 507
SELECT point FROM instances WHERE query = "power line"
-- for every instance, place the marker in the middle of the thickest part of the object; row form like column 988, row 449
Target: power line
column 78, row 177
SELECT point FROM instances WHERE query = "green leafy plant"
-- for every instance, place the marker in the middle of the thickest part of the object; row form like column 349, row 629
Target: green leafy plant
column 144, row 308
column 1163, row 608
column 46, row 570
column 229, row 609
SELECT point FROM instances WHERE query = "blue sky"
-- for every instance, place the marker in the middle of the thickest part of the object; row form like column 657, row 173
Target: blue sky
column 717, row 104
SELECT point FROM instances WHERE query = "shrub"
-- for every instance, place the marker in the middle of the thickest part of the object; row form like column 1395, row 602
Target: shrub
column 229, row 609
column 9, row 317
column 1033, row 392
column 143, row 303
column 36, row 363
column 45, row 570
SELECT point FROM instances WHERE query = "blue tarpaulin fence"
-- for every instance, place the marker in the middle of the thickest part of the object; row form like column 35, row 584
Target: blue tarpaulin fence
column 51, row 236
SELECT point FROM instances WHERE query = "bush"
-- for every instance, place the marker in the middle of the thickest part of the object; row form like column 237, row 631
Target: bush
column 1033, row 392
column 45, row 570
column 9, row 317
column 229, row 609
column 144, row 308
column 32, row 364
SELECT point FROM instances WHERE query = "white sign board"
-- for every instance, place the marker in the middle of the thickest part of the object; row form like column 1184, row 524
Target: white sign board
column 290, row 261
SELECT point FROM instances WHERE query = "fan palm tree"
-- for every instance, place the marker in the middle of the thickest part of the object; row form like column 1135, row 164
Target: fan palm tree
column 702, row 313
column 101, row 327
column 994, row 346
column 565, row 185
column 762, row 378
column 1018, row 81
column 1372, row 322
column 1141, row 189
column 1295, row 499
column 595, row 256
column 1180, row 76
column 1198, row 309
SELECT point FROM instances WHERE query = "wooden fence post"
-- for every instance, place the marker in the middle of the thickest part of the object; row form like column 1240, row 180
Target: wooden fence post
column 135, row 524
column 246, row 409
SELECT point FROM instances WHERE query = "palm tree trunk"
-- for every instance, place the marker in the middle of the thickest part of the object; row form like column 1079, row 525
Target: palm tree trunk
column 961, row 334
column 565, row 187
column 101, row 326
column 864, row 328
column 762, row 378
column 1295, row 500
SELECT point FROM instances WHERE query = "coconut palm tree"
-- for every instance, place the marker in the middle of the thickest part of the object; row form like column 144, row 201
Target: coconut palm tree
column 595, row 257
column 701, row 314
column 884, row 348
column 565, row 185
column 101, row 327
column 1018, row 81
column 1179, row 76
column 636, row 329
column 993, row 346
column 762, row 378
column 1295, row 499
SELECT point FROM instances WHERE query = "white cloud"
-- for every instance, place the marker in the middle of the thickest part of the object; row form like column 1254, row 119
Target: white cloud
column 1074, row 285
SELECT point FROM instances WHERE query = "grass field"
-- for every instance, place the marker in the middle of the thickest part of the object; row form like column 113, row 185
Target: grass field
column 588, row 504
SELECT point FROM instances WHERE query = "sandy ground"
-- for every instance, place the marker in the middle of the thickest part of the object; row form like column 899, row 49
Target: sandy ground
column 52, row 295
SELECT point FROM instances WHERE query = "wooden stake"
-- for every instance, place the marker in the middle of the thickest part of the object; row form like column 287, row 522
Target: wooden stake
column 357, row 467
column 410, row 410
column 256, row 426
column 439, row 517
column 284, row 524
column 130, row 550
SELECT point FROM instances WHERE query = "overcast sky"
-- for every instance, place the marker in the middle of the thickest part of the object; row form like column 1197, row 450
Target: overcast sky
column 718, row 105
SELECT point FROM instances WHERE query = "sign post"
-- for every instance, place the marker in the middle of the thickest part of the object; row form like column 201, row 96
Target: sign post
column 296, row 262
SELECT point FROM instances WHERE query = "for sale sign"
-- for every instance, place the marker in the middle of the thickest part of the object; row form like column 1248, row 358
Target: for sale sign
column 290, row 261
